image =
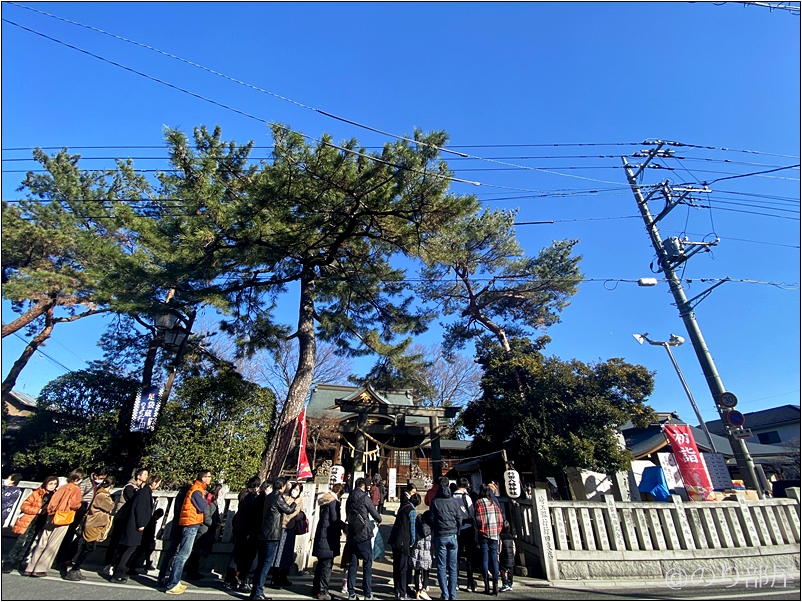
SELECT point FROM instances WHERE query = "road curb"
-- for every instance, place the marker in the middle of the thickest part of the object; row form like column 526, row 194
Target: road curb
column 623, row 583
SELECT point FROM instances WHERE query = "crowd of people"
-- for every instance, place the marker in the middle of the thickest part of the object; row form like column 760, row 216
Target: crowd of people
column 63, row 525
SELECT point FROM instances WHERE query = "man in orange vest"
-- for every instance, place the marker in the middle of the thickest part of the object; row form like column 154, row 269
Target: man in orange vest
column 190, row 520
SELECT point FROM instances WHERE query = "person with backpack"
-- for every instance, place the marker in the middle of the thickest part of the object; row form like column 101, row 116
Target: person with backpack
column 402, row 538
column 446, row 515
column 359, row 509
column 506, row 557
column 466, row 538
column 95, row 529
column 190, row 518
column 207, row 534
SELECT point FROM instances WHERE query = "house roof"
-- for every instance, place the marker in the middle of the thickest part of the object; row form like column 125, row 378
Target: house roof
column 762, row 418
column 23, row 399
column 452, row 444
column 643, row 441
column 323, row 397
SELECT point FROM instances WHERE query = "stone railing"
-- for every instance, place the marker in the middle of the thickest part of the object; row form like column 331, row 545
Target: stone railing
column 612, row 539
column 227, row 506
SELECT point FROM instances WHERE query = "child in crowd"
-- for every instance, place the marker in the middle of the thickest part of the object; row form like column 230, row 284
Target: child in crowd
column 506, row 557
column 422, row 555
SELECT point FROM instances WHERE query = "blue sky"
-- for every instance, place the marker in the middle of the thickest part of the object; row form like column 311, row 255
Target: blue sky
column 530, row 74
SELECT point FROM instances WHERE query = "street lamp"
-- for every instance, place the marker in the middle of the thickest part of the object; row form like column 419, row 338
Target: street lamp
column 675, row 341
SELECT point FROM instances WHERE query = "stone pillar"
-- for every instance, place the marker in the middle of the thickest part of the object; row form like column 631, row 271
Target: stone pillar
column 543, row 534
column 620, row 486
column 437, row 461
column 359, row 464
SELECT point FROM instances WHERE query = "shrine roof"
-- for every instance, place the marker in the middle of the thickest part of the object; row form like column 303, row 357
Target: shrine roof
column 323, row 398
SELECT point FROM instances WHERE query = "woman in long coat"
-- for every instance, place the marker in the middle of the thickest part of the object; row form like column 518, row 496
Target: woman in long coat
column 67, row 498
column 138, row 518
column 326, row 545
column 30, row 523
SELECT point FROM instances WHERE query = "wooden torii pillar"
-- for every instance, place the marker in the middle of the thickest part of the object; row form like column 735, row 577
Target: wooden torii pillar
column 400, row 412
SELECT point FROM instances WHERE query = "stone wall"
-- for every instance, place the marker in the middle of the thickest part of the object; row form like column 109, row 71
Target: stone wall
column 587, row 540
column 221, row 553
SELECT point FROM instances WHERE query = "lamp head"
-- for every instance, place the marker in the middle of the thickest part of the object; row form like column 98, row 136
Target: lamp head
column 640, row 337
column 675, row 340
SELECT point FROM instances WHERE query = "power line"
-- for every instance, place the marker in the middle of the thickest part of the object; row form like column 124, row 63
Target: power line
column 39, row 351
column 542, row 170
column 224, row 106
column 756, row 173
column 722, row 148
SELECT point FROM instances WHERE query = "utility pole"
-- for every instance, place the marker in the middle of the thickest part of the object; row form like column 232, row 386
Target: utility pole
column 668, row 258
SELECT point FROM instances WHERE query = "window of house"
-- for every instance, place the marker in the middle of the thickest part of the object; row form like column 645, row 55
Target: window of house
column 769, row 438
column 402, row 458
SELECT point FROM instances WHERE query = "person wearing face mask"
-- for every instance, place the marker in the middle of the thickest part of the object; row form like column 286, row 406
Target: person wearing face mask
column 275, row 505
column 120, row 513
column 95, row 528
column 286, row 548
column 141, row 510
column 69, row 547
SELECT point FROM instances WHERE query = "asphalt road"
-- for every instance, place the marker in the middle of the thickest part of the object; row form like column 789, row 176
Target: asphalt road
column 17, row 587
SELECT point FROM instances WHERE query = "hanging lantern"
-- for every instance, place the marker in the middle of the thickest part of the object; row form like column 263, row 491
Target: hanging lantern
column 513, row 483
column 336, row 475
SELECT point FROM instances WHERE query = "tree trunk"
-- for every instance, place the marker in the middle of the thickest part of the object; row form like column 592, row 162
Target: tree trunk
column 276, row 453
column 29, row 316
column 11, row 378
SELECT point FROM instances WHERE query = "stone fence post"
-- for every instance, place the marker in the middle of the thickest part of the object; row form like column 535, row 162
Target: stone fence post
column 541, row 517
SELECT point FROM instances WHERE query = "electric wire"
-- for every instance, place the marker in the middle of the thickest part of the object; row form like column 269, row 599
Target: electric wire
column 331, row 115
column 542, row 170
column 224, row 106
column 43, row 354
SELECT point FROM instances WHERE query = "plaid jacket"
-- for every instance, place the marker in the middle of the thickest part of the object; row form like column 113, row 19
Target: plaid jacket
column 489, row 521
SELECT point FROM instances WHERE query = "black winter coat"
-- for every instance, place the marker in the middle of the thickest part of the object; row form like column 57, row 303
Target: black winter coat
column 359, row 503
column 140, row 511
column 401, row 534
column 506, row 552
column 329, row 528
column 446, row 513
column 274, row 507
column 243, row 519
column 207, row 532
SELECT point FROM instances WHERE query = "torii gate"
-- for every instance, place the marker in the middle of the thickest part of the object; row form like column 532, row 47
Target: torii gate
column 400, row 412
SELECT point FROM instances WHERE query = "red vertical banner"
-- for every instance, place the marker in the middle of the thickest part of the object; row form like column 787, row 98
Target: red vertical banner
column 689, row 461
column 304, row 472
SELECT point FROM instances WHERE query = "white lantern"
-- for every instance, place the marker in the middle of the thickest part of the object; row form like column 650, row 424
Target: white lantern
column 513, row 483
column 336, row 475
